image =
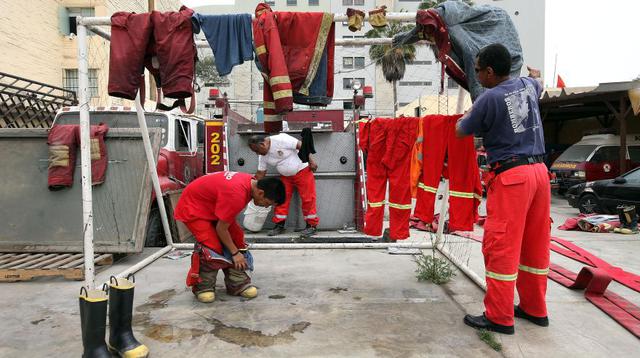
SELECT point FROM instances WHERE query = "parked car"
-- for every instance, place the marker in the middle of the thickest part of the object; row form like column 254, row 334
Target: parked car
column 603, row 196
column 595, row 157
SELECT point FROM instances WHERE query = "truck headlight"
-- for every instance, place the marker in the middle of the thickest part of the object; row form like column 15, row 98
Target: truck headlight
column 579, row 174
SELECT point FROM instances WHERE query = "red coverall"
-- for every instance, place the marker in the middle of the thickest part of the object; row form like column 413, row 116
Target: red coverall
column 305, row 183
column 388, row 144
column 465, row 190
column 137, row 38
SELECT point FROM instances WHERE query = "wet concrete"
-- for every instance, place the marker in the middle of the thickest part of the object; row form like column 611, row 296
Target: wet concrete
column 323, row 303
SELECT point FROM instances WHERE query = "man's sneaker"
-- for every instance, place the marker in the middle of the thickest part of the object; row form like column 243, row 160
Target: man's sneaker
column 540, row 321
column 277, row 230
column 308, row 231
column 482, row 322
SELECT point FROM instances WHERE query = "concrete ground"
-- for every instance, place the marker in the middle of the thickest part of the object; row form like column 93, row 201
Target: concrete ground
column 326, row 303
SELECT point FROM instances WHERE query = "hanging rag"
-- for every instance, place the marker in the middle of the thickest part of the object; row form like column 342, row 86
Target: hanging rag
column 229, row 36
column 307, row 146
column 378, row 17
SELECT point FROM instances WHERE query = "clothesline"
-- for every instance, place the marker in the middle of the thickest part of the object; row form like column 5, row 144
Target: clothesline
column 391, row 16
column 204, row 44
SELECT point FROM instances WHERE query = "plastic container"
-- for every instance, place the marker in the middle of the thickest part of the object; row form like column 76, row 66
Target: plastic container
column 255, row 216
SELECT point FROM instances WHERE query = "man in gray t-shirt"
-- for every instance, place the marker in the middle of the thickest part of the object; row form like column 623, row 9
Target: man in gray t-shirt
column 517, row 230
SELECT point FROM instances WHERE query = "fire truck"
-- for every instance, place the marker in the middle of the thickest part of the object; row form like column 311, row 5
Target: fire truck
column 181, row 156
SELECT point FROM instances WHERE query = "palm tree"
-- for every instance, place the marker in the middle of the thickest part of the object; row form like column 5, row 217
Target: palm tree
column 393, row 60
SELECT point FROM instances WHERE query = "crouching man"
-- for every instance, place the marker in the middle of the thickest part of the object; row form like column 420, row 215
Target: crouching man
column 281, row 151
column 208, row 206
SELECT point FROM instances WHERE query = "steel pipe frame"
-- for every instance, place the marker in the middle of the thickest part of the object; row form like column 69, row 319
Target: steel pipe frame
column 83, row 83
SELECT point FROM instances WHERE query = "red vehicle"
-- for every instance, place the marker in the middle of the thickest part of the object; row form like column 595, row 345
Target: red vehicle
column 595, row 157
column 181, row 157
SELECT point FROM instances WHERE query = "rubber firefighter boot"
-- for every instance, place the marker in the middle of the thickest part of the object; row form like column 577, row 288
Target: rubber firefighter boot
column 121, row 339
column 93, row 320
column 628, row 219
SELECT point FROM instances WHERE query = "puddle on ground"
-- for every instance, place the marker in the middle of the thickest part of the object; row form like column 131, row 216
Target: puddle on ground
column 338, row 289
column 169, row 334
column 277, row 297
column 157, row 301
column 241, row 336
column 38, row 321
column 249, row 338
column 357, row 298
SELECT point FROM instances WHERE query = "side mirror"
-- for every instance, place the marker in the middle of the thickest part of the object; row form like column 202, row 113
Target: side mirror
column 619, row 180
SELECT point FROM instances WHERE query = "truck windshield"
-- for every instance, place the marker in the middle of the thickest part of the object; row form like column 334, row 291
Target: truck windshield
column 119, row 120
column 576, row 153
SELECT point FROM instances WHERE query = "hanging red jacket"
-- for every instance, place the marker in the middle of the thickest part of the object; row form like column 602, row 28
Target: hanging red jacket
column 277, row 94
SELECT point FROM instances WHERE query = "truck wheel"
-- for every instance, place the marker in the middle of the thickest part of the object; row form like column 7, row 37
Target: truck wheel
column 589, row 204
column 155, row 233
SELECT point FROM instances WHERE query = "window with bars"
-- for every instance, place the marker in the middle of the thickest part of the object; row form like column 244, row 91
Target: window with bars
column 292, row 2
column 70, row 81
column 352, row 2
column 346, row 82
column 314, row 2
column 451, row 84
column 415, row 83
column 271, row 3
column 427, row 62
column 67, row 18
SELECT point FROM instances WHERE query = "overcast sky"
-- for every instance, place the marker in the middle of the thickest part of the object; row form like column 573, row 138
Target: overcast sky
column 596, row 41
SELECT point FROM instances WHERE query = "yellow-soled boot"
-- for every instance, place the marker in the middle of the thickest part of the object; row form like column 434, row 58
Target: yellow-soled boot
column 121, row 339
column 206, row 297
column 249, row 292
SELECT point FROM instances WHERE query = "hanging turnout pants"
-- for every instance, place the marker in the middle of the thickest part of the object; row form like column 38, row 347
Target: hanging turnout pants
column 305, row 184
column 516, row 242
column 465, row 190
column 388, row 144
column 163, row 41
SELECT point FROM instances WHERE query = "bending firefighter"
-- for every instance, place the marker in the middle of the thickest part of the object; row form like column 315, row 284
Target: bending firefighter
column 208, row 206
column 517, row 229
column 281, row 151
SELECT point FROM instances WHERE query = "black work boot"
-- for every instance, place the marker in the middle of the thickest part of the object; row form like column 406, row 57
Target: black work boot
column 93, row 320
column 277, row 230
column 308, row 231
column 482, row 322
column 121, row 339
column 540, row 321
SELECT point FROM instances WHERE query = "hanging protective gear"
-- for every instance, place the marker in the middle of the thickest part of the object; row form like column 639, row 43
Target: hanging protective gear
column 356, row 18
column 465, row 190
column 378, row 17
column 121, row 339
column 93, row 320
column 388, row 143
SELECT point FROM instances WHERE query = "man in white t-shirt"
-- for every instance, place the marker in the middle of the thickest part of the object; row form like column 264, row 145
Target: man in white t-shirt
column 281, row 151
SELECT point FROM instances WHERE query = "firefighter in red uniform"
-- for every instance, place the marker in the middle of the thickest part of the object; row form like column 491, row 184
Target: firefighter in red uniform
column 517, row 230
column 208, row 206
column 281, row 151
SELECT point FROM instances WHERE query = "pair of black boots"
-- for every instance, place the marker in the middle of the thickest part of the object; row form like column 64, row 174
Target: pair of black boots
column 93, row 318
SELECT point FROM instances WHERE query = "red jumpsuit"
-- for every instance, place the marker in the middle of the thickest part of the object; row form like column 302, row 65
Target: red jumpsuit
column 388, row 144
column 305, row 183
column 465, row 190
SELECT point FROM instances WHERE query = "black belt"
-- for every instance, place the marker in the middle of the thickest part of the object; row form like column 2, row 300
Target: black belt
column 502, row 165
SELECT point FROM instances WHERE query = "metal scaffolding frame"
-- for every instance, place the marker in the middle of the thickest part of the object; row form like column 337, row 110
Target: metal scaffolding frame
column 91, row 24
